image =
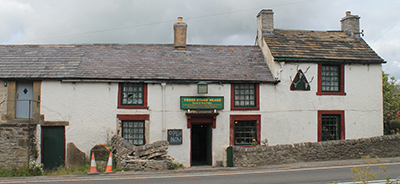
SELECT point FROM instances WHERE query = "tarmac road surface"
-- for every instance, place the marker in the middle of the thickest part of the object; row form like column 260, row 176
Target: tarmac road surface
column 305, row 172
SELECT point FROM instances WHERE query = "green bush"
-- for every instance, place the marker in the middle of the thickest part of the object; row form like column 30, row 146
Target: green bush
column 172, row 165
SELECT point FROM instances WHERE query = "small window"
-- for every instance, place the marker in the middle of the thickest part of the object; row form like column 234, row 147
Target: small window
column 245, row 97
column 330, row 125
column 132, row 96
column 133, row 132
column 244, row 129
column 330, row 80
column 245, row 132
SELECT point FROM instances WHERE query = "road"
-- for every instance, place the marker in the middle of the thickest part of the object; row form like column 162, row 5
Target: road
column 216, row 176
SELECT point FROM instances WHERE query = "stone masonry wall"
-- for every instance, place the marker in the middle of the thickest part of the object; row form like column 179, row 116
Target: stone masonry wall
column 15, row 142
column 3, row 99
column 381, row 146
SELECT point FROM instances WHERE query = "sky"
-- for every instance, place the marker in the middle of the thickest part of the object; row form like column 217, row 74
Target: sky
column 210, row 22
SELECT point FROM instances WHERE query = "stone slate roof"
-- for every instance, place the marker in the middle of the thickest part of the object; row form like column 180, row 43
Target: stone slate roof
column 296, row 45
column 134, row 62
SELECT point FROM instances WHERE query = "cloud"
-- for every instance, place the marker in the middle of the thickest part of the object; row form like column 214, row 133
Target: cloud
column 209, row 22
column 12, row 23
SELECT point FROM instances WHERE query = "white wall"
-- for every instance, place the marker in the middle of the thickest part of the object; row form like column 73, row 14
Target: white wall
column 292, row 115
column 286, row 116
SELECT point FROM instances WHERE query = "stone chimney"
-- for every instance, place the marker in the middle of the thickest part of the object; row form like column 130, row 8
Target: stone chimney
column 265, row 22
column 351, row 25
column 180, row 34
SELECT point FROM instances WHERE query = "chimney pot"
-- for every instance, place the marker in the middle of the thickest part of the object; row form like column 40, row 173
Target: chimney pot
column 180, row 31
column 348, row 13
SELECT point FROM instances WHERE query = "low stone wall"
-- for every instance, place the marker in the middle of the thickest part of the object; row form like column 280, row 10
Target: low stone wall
column 381, row 146
column 15, row 144
column 153, row 156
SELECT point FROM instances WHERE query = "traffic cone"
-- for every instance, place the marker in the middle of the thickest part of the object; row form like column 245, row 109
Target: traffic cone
column 93, row 169
column 109, row 165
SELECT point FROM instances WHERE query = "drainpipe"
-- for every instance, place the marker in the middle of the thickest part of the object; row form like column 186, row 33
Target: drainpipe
column 280, row 70
column 163, row 111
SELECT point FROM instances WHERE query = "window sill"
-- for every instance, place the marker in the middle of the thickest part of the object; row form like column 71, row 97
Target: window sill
column 240, row 145
column 132, row 107
column 245, row 108
column 331, row 93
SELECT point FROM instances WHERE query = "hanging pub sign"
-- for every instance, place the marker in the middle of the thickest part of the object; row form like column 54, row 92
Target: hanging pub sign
column 190, row 102
column 174, row 136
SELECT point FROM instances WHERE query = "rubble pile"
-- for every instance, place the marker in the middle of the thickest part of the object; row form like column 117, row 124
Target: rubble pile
column 153, row 156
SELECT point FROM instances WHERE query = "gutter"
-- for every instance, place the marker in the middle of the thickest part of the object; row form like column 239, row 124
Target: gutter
column 330, row 60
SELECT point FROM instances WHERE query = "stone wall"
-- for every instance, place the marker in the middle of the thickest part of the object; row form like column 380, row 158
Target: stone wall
column 381, row 146
column 153, row 156
column 15, row 144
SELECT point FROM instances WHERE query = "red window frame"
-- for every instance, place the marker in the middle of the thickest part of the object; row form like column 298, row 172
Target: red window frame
column 341, row 81
column 234, row 118
column 133, row 117
column 331, row 112
column 257, row 107
column 144, row 106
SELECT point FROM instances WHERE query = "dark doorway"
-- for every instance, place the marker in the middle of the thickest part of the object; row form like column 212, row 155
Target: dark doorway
column 53, row 146
column 201, row 144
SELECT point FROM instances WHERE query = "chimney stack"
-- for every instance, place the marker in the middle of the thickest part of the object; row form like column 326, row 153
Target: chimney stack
column 180, row 29
column 351, row 25
column 265, row 22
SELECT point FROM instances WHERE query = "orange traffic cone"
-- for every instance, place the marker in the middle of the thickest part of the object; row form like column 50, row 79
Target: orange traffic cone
column 93, row 169
column 109, row 165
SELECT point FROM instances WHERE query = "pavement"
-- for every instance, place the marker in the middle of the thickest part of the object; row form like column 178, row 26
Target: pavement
column 200, row 170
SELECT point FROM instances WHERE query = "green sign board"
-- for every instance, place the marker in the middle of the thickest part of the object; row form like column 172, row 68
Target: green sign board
column 189, row 102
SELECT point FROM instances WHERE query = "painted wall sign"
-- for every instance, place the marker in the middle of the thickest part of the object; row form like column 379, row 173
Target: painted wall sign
column 174, row 136
column 188, row 102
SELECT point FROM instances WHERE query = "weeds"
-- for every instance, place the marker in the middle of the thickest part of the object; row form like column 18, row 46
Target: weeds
column 34, row 169
column 62, row 170
column 365, row 174
column 388, row 180
column 173, row 165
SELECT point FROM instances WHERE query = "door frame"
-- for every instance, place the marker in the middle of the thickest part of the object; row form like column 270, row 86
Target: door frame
column 197, row 118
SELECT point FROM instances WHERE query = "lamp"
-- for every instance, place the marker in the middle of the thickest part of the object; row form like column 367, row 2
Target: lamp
column 202, row 87
column 5, row 83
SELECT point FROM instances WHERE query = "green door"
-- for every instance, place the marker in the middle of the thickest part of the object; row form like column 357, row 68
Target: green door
column 53, row 145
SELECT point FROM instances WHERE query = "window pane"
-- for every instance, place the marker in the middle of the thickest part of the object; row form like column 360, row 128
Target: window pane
column 133, row 132
column 245, row 132
column 330, row 127
column 330, row 76
column 245, row 95
column 132, row 94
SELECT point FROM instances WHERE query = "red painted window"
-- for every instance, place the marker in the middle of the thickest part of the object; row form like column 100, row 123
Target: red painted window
column 330, row 79
column 331, row 125
column 133, row 127
column 132, row 96
column 245, row 96
column 245, row 128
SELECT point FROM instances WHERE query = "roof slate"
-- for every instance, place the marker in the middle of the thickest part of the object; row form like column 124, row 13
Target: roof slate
column 293, row 45
column 134, row 62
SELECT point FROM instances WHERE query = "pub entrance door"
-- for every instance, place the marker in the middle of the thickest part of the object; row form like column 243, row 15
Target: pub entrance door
column 201, row 144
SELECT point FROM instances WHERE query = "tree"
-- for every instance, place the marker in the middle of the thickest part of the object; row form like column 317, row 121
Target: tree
column 391, row 104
